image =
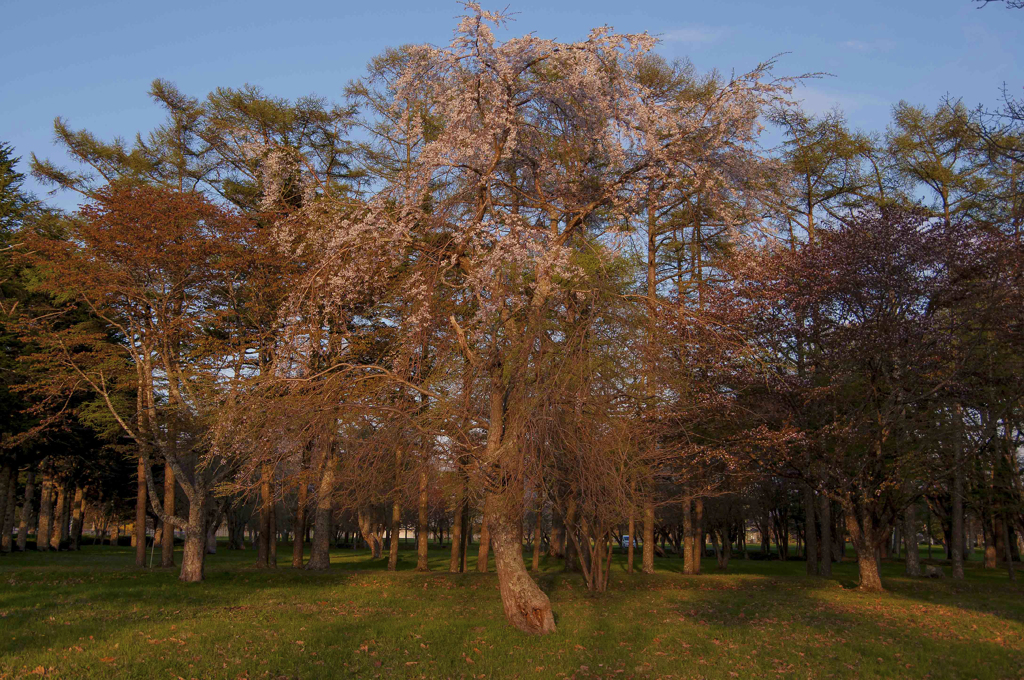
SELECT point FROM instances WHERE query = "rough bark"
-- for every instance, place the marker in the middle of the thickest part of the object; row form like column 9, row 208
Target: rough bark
column 863, row 535
column 320, row 551
column 167, row 538
column 193, row 559
column 526, row 606
column 422, row 528
column 140, row 514
column 26, row 509
column 648, row 547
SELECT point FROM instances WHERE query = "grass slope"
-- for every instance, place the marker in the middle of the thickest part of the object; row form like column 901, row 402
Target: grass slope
column 92, row 615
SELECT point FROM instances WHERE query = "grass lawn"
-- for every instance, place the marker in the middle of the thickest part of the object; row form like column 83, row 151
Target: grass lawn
column 91, row 614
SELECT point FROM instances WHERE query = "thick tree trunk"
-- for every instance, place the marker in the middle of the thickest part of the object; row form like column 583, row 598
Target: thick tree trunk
column 298, row 544
column 77, row 518
column 423, row 528
column 810, row 532
column 825, row 547
column 45, row 512
column 869, row 579
column 698, row 534
column 26, row 509
column 648, row 547
column 396, row 525
column 689, row 550
column 913, row 560
column 193, row 559
column 526, row 606
column 140, row 514
column 167, row 537
column 320, row 552
column 7, row 541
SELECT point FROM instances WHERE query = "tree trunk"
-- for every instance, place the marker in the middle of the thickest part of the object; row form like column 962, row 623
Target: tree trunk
column 1008, row 550
column 193, row 559
column 485, row 543
column 629, row 547
column 698, row 534
column 535, row 567
column 77, row 518
column 7, row 525
column 320, row 552
column 913, row 560
column 6, row 473
column 46, row 512
column 956, row 542
column 396, row 525
column 810, row 532
column 648, row 547
column 526, row 606
column 869, row 579
column 26, row 509
column 167, row 538
column 423, row 528
column 825, row 546
column 272, row 552
column 266, row 505
column 455, row 563
column 689, row 551
column 298, row 544
column 140, row 514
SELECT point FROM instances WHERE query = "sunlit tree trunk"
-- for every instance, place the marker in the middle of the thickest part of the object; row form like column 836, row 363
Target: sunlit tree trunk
column 526, row 606
column 140, row 514
column 648, row 547
column 266, row 508
column 167, row 539
column 193, row 559
column 77, row 518
column 455, row 563
column 299, row 532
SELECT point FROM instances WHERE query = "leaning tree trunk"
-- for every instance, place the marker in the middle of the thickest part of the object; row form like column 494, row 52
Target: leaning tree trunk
column 526, row 606
column 422, row 527
column 26, row 509
column 46, row 512
column 167, row 538
column 913, row 567
column 320, row 553
column 140, row 515
column 193, row 560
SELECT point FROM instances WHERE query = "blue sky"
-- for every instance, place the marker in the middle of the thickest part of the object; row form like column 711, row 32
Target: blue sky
column 91, row 62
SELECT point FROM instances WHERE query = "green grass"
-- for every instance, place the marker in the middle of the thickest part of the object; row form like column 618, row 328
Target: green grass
column 92, row 615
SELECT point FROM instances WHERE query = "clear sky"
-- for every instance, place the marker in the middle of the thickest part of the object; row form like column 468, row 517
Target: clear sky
column 91, row 62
